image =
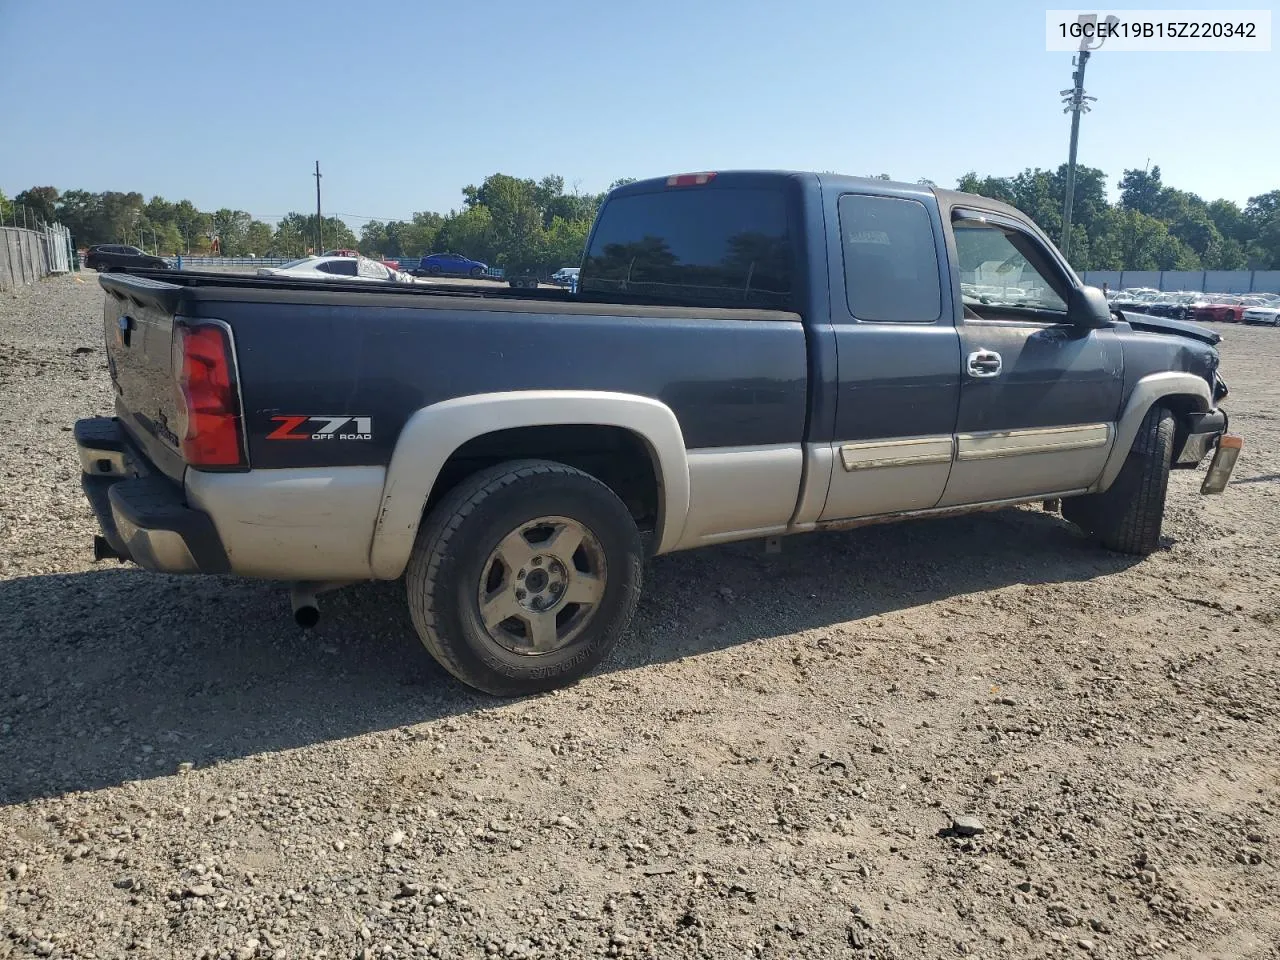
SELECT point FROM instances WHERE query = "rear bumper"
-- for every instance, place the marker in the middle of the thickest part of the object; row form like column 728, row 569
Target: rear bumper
column 143, row 515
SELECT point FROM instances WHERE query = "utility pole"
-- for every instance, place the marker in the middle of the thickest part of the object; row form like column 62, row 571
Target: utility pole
column 1077, row 103
column 319, row 221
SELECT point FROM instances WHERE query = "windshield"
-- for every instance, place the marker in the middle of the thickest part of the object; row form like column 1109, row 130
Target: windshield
column 296, row 263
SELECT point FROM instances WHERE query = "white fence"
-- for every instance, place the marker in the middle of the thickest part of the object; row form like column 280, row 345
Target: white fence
column 28, row 255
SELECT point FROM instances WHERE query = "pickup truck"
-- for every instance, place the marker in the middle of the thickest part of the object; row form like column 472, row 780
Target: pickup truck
column 748, row 355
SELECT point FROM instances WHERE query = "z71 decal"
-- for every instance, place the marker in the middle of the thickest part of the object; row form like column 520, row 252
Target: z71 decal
column 331, row 428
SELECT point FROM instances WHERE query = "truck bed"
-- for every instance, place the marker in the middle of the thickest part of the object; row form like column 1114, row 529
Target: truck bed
column 169, row 288
column 315, row 349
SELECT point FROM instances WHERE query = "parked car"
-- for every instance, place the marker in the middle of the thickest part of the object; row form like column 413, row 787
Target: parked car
column 565, row 276
column 451, row 264
column 337, row 267
column 105, row 256
column 1217, row 308
column 1263, row 316
column 1176, row 306
column 738, row 391
column 1136, row 301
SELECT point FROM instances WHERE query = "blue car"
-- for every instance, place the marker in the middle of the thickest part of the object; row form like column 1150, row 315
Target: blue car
column 450, row 263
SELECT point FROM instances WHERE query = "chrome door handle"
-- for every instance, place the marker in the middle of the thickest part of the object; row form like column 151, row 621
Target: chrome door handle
column 985, row 363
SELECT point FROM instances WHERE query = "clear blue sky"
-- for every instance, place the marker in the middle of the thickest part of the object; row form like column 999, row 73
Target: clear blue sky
column 230, row 103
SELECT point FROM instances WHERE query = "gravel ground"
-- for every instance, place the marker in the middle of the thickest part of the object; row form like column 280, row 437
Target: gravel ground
column 769, row 767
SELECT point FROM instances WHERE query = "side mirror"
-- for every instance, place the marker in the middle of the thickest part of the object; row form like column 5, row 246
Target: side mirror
column 1087, row 307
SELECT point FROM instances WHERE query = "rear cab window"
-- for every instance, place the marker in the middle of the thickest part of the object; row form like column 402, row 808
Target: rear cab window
column 891, row 271
column 713, row 245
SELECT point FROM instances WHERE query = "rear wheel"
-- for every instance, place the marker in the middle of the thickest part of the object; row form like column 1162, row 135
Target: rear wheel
column 524, row 577
column 433, row 270
column 1128, row 516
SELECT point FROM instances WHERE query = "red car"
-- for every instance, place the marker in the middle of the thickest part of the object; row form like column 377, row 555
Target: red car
column 1218, row 308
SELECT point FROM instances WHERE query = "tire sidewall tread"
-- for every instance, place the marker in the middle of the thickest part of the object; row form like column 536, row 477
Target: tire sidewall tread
column 1129, row 515
column 455, row 539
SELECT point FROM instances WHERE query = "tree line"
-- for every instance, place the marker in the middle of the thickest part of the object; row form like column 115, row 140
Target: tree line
column 525, row 224
column 1151, row 226
column 517, row 224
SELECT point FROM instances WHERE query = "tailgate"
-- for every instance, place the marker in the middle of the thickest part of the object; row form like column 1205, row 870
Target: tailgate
column 138, row 325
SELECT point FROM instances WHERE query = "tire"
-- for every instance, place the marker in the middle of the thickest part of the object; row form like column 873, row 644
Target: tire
column 477, row 271
column 433, row 270
column 462, row 550
column 1127, row 517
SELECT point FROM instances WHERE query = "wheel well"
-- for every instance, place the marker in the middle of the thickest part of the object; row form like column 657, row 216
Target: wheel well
column 615, row 456
column 1181, row 405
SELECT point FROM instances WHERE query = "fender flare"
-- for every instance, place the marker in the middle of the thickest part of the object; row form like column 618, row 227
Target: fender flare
column 433, row 433
column 1146, row 392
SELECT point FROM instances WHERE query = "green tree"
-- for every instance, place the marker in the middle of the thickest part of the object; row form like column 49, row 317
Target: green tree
column 1136, row 241
column 518, row 234
column 296, row 235
column 1229, row 219
column 258, row 238
column 1262, row 223
column 418, row 236
column 566, row 242
column 40, row 201
column 373, row 239
column 469, row 232
column 1140, row 190
column 231, row 227
column 996, row 188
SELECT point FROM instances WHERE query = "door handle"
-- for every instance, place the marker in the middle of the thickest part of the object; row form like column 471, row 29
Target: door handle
column 985, row 363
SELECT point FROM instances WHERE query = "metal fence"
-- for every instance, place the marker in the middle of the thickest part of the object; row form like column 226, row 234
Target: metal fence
column 27, row 255
column 1202, row 281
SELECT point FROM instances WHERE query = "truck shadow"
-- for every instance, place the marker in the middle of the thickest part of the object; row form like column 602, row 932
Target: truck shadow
column 116, row 674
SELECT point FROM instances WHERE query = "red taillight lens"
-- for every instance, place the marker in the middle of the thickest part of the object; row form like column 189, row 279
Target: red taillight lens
column 214, row 436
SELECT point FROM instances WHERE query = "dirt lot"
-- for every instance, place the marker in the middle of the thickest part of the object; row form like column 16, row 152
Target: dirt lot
column 768, row 767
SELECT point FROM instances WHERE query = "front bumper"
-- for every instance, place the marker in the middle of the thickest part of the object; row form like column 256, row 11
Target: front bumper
column 1203, row 431
column 143, row 514
column 1208, row 432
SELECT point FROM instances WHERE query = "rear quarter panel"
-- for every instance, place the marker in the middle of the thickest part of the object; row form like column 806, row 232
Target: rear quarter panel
column 730, row 382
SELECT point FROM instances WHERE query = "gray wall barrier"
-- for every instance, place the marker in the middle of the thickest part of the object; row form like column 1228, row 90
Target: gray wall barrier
column 1207, row 281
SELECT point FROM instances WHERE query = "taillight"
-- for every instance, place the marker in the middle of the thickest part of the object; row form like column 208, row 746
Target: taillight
column 213, row 434
column 690, row 179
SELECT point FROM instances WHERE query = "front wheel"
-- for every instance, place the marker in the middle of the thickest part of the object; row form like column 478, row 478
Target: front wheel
column 524, row 577
column 477, row 271
column 1128, row 516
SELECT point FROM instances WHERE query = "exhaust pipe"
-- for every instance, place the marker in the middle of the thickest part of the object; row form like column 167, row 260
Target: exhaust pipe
column 306, row 606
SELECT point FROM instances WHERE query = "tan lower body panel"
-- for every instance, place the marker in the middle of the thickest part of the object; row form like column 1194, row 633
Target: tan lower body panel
column 1021, row 463
column 741, row 492
column 887, row 476
column 293, row 524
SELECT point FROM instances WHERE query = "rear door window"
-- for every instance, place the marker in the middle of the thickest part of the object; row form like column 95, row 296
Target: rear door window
column 723, row 247
column 890, row 261
column 373, row 269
